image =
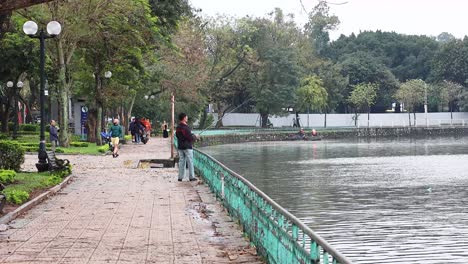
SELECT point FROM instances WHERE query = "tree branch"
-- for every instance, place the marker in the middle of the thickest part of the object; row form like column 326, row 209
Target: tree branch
column 10, row 5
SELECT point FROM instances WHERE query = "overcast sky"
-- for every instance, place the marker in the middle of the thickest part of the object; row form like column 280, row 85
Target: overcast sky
column 421, row 17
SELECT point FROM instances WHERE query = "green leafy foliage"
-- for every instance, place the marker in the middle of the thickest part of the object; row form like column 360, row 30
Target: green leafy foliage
column 29, row 127
column 451, row 62
column 52, row 180
column 11, row 155
column 311, row 94
column 79, row 144
column 16, row 196
column 363, row 95
column 7, row 176
column 103, row 149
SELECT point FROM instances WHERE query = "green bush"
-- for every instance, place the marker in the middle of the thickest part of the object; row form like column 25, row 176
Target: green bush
column 16, row 196
column 34, row 145
column 29, row 127
column 128, row 137
column 79, row 144
column 7, row 176
column 27, row 133
column 53, row 180
column 75, row 138
column 30, row 149
column 11, row 155
column 11, row 126
column 103, row 149
column 59, row 150
column 3, row 136
column 63, row 173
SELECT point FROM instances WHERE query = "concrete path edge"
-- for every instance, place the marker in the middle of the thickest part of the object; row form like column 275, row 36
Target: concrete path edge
column 39, row 199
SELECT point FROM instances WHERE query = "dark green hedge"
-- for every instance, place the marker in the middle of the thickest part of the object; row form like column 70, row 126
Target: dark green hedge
column 29, row 127
column 11, row 155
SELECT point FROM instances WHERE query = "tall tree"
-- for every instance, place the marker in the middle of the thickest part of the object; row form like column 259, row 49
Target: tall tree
column 116, row 43
column 320, row 23
column 451, row 62
column 227, row 51
column 18, row 56
column 361, row 67
column 312, row 95
column 275, row 73
column 451, row 94
column 363, row 95
column 411, row 93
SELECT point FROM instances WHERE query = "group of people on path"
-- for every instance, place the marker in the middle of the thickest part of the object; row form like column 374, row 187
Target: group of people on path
column 140, row 128
column 184, row 135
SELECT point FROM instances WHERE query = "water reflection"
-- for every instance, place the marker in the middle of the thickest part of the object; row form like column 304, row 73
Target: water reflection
column 377, row 201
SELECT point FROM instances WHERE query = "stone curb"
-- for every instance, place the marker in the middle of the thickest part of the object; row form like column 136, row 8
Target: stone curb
column 27, row 206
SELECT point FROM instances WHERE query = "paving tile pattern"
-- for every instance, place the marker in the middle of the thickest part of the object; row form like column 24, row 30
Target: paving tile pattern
column 114, row 212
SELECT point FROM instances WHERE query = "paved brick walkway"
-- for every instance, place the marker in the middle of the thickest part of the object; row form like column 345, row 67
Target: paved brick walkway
column 114, row 212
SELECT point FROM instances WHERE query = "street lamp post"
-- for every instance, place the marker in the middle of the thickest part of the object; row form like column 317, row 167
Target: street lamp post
column 19, row 85
column 31, row 29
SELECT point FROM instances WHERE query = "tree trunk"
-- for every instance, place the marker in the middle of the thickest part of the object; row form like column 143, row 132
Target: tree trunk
column 325, row 121
column 355, row 118
column 368, row 117
column 451, row 113
column 98, row 102
column 5, row 23
column 91, row 125
column 414, row 121
column 219, row 123
column 4, row 118
column 130, row 109
column 63, row 89
column 409, row 118
column 203, row 118
column 10, row 5
column 264, row 121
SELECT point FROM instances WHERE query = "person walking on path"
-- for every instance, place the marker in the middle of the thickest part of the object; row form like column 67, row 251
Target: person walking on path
column 185, row 139
column 116, row 133
column 53, row 131
column 131, row 127
column 138, row 130
column 164, row 129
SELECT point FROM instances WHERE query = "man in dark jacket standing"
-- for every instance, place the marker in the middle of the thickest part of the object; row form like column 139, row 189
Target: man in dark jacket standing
column 53, row 131
column 185, row 140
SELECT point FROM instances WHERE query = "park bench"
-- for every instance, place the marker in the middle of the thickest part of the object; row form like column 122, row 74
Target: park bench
column 56, row 164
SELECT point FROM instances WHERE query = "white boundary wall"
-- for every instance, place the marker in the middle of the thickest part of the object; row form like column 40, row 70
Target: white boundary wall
column 347, row 120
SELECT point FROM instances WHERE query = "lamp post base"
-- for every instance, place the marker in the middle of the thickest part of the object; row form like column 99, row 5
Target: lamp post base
column 42, row 164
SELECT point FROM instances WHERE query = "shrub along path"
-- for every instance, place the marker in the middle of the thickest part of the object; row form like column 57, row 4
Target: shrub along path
column 113, row 212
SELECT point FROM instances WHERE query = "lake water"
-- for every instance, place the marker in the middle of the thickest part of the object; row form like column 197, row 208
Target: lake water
column 377, row 201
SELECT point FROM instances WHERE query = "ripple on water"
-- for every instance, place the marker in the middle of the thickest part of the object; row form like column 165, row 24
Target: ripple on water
column 377, row 202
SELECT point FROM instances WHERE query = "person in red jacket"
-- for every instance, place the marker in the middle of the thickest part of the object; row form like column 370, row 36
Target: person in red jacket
column 185, row 140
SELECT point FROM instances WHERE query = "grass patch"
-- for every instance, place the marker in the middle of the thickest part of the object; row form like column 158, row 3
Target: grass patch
column 91, row 149
column 31, row 144
column 27, row 183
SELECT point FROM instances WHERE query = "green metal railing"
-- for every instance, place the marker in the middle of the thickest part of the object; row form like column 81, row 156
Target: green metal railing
column 277, row 234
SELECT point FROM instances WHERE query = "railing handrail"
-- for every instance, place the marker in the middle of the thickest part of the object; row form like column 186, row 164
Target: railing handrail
column 316, row 237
